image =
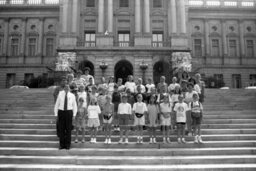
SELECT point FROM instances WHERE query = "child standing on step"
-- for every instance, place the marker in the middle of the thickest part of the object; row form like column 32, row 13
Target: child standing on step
column 165, row 116
column 153, row 111
column 93, row 118
column 80, row 119
column 124, row 114
column 139, row 111
column 180, row 110
column 196, row 114
column 108, row 112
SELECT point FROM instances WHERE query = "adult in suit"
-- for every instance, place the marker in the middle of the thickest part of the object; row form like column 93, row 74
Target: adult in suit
column 65, row 108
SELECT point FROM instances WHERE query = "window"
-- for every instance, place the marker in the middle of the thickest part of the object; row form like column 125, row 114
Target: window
column 124, row 39
column 10, row 79
column 124, row 3
column 27, row 78
column 14, row 47
column 49, row 46
column 90, row 3
column 232, row 48
column 157, row 39
column 31, row 46
column 90, row 39
column 236, row 80
column 157, row 3
column 219, row 80
column 252, row 81
column 249, row 48
column 215, row 47
column 198, row 47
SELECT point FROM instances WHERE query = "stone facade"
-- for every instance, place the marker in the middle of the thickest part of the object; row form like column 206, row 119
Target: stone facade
column 126, row 34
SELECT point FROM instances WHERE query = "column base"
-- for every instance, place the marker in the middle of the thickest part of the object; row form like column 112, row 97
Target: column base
column 104, row 40
column 67, row 40
column 143, row 40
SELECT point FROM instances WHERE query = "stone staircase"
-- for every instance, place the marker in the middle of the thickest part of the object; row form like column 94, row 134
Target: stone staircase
column 28, row 138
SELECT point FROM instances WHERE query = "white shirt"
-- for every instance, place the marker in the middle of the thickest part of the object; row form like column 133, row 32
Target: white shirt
column 149, row 86
column 197, row 88
column 93, row 111
column 111, row 87
column 84, row 96
column 172, row 86
column 121, row 88
column 124, row 108
column 165, row 107
column 181, row 109
column 131, row 86
column 87, row 78
column 71, row 105
column 189, row 96
column 143, row 89
column 79, row 81
column 139, row 107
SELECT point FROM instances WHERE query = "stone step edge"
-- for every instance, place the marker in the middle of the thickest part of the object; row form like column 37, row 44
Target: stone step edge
column 128, row 167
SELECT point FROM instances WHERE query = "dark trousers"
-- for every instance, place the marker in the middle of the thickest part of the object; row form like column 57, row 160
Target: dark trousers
column 65, row 127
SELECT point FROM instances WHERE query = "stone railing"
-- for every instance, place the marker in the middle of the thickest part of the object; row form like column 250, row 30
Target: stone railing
column 223, row 3
column 29, row 2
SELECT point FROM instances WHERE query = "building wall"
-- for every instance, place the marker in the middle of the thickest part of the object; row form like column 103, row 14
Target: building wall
column 42, row 21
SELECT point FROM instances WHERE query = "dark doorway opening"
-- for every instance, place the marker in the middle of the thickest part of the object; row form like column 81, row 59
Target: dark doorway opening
column 84, row 64
column 122, row 69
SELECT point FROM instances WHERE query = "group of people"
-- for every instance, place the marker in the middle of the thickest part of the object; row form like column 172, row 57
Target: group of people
column 118, row 107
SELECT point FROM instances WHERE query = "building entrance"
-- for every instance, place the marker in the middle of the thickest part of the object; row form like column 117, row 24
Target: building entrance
column 161, row 68
column 84, row 64
column 122, row 69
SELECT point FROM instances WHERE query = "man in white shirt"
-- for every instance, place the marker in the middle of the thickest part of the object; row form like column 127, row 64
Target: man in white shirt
column 65, row 108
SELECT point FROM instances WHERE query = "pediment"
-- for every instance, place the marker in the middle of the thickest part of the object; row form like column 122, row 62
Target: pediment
column 33, row 33
column 232, row 35
column 15, row 33
column 158, row 13
column 50, row 33
column 123, row 12
column 197, row 34
column 89, row 13
column 215, row 34
column 250, row 35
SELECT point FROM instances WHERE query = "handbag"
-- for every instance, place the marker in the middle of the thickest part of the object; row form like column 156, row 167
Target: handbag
column 107, row 117
column 138, row 115
column 195, row 114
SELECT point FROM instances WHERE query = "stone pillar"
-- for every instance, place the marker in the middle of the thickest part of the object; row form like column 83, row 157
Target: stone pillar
column 242, row 43
column 101, row 16
column 182, row 16
column 110, row 16
column 75, row 16
column 65, row 16
column 41, row 40
column 137, row 16
column 146, row 16
column 6, row 37
column 224, row 41
column 207, row 41
column 173, row 17
column 23, row 52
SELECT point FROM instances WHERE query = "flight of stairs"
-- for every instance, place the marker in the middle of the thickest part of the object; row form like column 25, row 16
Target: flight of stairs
column 28, row 138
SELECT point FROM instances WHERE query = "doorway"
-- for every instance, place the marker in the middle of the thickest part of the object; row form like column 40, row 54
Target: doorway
column 123, row 68
column 84, row 64
column 161, row 68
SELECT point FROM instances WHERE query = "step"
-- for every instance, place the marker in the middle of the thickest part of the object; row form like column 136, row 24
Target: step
column 179, row 167
column 128, row 160
column 127, row 152
column 146, row 132
column 54, row 144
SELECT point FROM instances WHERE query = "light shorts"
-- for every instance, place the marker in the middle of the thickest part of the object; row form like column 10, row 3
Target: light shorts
column 165, row 121
column 93, row 122
column 139, row 121
column 124, row 119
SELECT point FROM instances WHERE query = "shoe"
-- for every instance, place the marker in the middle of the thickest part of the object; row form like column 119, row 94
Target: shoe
column 179, row 140
column 168, row 141
column 196, row 140
column 190, row 134
column 91, row 141
column 126, row 141
column 82, row 141
column 120, row 141
column 76, row 140
column 151, row 141
column 164, row 141
column 183, row 140
column 67, row 148
column 61, row 148
column 95, row 141
column 109, row 141
column 138, row 140
column 118, row 129
column 141, row 141
column 154, row 140
column 200, row 139
column 106, row 141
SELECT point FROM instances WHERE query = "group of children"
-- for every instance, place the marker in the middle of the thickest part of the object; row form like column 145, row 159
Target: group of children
column 121, row 106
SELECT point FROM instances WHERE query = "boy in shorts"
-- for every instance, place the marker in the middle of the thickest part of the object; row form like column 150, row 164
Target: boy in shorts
column 124, row 114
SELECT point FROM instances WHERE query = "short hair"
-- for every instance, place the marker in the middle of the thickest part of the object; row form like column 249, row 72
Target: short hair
column 195, row 95
column 87, row 69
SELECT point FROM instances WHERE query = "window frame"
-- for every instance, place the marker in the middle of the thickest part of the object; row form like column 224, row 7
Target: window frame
column 157, row 7
column 46, row 47
column 235, row 45
column 212, row 47
column 158, row 43
column 11, row 51
column 252, row 46
column 89, row 3
column 29, row 45
column 119, row 4
column 90, row 42
column 194, row 46
column 124, row 43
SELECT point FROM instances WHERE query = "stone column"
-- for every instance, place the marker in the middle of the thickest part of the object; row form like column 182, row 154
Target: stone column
column 137, row 16
column 101, row 16
column 146, row 16
column 110, row 16
column 65, row 16
column 224, row 41
column 23, row 43
column 74, row 14
column 173, row 17
column 182, row 16
column 242, row 43
column 6, row 37
column 41, row 40
column 207, row 41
